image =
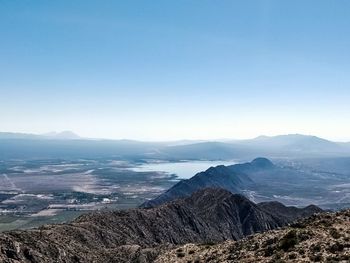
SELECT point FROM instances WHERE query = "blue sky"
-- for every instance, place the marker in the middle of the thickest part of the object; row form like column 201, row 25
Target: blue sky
column 164, row 70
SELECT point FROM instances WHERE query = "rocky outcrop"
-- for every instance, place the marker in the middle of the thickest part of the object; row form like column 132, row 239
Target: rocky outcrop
column 324, row 237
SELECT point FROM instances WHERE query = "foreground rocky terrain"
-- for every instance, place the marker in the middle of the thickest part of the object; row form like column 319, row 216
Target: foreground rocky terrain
column 140, row 235
column 323, row 237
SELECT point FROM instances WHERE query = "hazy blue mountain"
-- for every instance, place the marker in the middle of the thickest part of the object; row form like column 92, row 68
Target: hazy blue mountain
column 64, row 135
column 293, row 143
column 16, row 135
column 274, row 147
column 67, row 144
column 204, row 150
column 58, row 148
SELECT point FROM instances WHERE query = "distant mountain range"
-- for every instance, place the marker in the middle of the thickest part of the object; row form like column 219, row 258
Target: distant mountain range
column 64, row 135
column 51, row 145
column 295, row 143
column 139, row 235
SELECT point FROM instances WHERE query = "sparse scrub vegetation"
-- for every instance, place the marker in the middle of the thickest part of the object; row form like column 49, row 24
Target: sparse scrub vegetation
column 289, row 240
column 309, row 241
column 334, row 233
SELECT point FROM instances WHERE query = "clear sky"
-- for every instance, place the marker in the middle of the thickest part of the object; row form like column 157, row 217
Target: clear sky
column 160, row 70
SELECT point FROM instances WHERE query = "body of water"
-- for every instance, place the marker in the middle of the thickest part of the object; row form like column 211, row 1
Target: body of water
column 183, row 170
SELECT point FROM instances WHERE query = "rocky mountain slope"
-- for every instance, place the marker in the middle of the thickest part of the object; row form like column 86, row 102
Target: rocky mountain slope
column 323, row 237
column 139, row 235
column 221, row 176
column 234, row 178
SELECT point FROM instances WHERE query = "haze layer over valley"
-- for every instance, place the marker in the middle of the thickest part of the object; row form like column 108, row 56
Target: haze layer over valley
column 47, row 179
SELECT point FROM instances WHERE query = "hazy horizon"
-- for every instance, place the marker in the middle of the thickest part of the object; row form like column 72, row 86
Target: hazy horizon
column 52, row 133
column 160, row 71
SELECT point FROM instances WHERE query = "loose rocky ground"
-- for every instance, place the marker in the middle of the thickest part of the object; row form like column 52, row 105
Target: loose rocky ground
column 323, row 237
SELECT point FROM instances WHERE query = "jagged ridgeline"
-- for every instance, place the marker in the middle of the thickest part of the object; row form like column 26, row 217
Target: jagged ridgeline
column 140, row 235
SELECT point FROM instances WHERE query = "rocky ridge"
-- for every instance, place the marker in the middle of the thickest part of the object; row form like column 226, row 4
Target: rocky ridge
column 323, row 237
column 139, row 235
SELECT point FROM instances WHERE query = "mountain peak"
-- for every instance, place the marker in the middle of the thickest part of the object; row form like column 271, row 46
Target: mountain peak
column 262, row 162
column 63, row 135
column 219, row 177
